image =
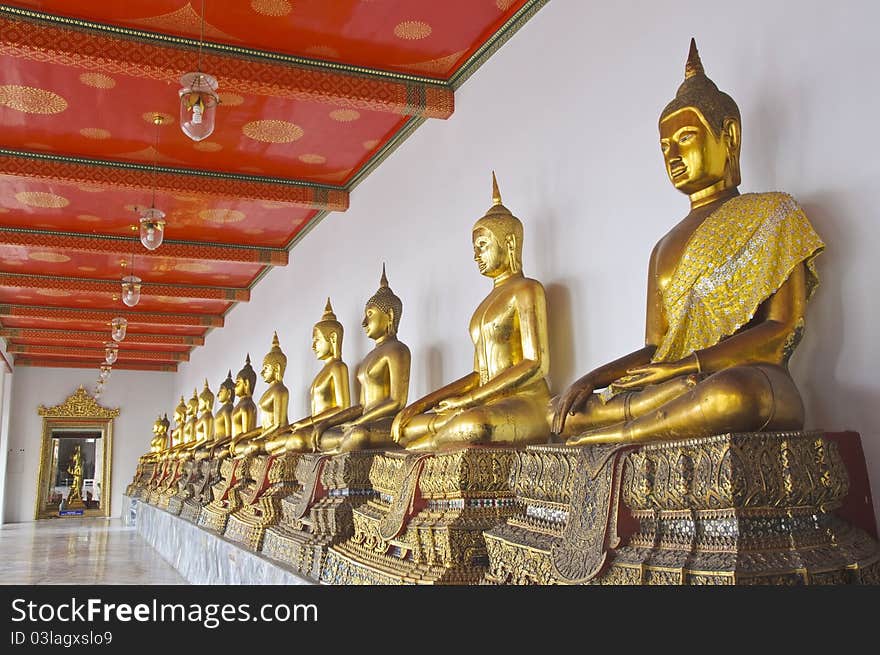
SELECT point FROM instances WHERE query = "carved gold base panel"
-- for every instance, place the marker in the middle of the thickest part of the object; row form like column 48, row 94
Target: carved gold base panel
column 320, row 514
column 227, row 494
column 426, row 524
column 191, row 510
column 732, row 509
column 261, row 508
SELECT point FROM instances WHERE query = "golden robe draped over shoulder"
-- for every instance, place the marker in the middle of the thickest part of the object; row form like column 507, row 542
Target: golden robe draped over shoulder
column 737, row 258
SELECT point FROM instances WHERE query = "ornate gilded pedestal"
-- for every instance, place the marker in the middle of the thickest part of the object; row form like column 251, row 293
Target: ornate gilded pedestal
column 142, row 477
column 320, row 514
column 189, row 476
column 169, row 488
column 750, row 508
column 272, row 478
column 203, row 493
column 226, row 493
column 426, row 524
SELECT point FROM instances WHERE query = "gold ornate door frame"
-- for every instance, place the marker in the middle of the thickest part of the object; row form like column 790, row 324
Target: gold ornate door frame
column 79, row 412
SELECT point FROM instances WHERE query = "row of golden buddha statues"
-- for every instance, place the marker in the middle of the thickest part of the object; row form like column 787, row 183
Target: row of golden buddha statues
column 698, row 434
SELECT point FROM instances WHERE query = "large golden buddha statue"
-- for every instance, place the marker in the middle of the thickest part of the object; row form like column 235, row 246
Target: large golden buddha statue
column 727, row 290
column 384, row 378
column 329, row 392
column 273, row 403
column 503, row 401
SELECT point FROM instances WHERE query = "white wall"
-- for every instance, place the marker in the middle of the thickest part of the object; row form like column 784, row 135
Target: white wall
column 566, row 112
column 139, row 395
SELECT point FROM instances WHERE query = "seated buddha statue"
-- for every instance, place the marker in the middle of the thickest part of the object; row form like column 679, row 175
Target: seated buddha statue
column 205, row 420
column 189, row 426
column 384, row 379
column 503, row 400
column 179, row 422
column 160, row 436
column 329, row 392
column 221, row 423
column 273, row 402
column 727, row 290
column 244, row 414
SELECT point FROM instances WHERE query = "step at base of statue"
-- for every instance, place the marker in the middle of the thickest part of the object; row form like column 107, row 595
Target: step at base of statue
column 426, row 524
column 752, row 508
column 191, row 510
column 320, row 514
column 248, row 524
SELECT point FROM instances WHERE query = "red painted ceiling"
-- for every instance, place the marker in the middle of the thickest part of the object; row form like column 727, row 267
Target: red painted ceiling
column 311, row 93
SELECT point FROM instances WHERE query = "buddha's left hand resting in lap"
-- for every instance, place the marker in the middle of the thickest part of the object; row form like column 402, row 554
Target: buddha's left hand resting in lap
column 503, row 401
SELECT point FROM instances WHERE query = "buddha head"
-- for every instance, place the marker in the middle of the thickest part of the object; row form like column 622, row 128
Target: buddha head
column 180, row 412
column 700, row 133
column 274, row 363
column 226, row 392
column 327, row 335
column 497, row 239
column 206, row 399
column 382, row 312
column 246, row 379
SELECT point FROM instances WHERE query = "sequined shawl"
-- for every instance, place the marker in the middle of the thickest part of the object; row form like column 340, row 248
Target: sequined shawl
column 736, row 259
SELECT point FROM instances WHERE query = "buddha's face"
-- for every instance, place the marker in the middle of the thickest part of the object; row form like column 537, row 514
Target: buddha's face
column 202, row 405
column 491, row 257
column 241, row 387
column 695, row 158
column 321, row 344
column 376, row 323
column 180, row 414
column 268, row 373
column 224, row 395
column 193, row 406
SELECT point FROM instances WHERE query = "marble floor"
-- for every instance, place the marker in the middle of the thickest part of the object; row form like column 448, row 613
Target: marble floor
column 80, row 551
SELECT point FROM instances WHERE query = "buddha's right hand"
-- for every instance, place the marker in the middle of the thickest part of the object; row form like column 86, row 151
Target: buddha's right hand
column 403, row 417
column 570, row 402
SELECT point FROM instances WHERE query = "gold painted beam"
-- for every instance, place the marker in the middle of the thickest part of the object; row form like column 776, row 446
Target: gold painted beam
column 62, row 336
column 109, row 174
column 61, row 363
column 64, row 314
column 124, row 246
column 97, row 353
column 91, row 285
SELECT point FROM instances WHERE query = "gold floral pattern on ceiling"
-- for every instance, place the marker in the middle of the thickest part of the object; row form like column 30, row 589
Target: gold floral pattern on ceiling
column 271, row 7
column 412, row 30
column 49, row 257
column 222, row 216
column 97, row 133
column 272, row 131
column 41, row 199
column 345, row 115
column 31, row 100
column 97, row 80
